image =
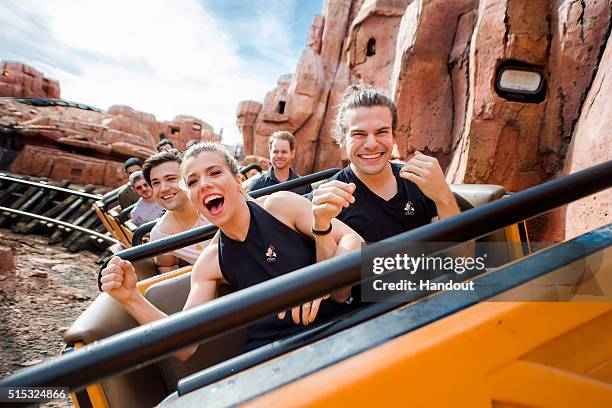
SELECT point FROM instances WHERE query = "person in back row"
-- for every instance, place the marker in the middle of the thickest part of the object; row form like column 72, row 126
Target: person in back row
column 164, row 145
column 375, row 197
column 258, row 240
column 282, row 152
column 126, row 195
column 146, row 208
column 162, row 172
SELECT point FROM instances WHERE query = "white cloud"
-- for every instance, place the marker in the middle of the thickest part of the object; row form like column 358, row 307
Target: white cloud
column 162, row 57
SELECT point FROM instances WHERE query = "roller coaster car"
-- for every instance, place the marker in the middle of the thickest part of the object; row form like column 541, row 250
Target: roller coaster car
column 149, row 385
column 117, row 222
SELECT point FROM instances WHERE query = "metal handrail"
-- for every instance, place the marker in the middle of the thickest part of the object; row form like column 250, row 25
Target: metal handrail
column 50, row 187
column 152, row 342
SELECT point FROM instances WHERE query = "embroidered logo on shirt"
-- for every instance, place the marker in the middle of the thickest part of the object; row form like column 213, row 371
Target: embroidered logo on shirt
column 271, row 254
column 409, row 209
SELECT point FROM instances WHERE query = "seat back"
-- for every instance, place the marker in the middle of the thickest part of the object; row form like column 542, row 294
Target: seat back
column 504, row 244
column 113, row 219
column 170, row 297
column 147, row 386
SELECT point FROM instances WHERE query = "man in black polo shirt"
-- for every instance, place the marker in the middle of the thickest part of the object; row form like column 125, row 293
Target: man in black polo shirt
column 282, row 152
column 375, row 197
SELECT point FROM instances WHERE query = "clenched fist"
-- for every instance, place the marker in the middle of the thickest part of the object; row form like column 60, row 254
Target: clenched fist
column 119, row 280
column 328, row 200
column 426, row 173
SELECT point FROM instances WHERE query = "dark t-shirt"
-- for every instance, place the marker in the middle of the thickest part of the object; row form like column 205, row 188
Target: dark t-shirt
column 374, row 218
column 269, row 179
column 127, row 197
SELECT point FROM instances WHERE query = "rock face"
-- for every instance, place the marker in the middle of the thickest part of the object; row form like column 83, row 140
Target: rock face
column 22, row 81
column 79, row 145
column 75, row 168
column 591, row 144
column 440, row 60
column 184, row 128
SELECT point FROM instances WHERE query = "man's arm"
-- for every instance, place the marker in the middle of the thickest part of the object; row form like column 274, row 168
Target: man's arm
column 426, row 173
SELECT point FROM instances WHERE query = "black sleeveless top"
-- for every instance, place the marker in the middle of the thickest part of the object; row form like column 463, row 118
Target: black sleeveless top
column 270, row 249
column 375, row 218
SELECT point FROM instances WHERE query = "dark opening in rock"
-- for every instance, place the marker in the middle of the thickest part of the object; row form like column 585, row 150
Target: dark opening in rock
column 371, row 50
column 281, row 107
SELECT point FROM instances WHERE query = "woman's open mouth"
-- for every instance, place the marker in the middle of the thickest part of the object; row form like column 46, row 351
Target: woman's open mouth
column 214, row 203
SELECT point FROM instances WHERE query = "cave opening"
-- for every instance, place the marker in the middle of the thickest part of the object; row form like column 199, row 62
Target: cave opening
column 371, row 48
column 281, row 107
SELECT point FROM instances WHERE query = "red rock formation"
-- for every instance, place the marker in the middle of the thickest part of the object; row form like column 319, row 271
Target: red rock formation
column 102, row 140
column 183, row 128
column 22, row 81
column 127, row 120
column 263, row 162
column 60, row 165
column 591, row 144
column 247, row 115
column 439, row 60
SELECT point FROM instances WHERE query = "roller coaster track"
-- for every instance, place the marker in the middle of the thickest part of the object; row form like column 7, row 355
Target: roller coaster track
column 61, row 212
column 52, row 102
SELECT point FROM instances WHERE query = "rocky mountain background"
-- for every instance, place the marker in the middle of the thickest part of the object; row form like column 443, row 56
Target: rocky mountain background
column 439, row 60
column 42, row 135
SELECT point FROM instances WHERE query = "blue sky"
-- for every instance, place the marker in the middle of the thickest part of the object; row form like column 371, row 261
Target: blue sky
column 193, row 57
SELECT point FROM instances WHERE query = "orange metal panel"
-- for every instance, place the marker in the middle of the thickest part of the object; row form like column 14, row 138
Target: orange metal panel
column 452, row 362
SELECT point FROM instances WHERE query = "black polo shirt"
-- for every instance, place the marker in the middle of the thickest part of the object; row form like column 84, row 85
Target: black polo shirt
column 269, row 179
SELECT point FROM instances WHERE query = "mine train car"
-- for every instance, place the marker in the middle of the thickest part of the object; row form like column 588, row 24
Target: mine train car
column 516, row 341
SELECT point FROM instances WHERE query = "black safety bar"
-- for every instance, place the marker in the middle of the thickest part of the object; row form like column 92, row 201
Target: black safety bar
column 152, row 342
column 125, row 214
column 141, row 231
column 50, row 187
column 487, row 285
column 201, row 233
column 109, row 198
column 252, row 166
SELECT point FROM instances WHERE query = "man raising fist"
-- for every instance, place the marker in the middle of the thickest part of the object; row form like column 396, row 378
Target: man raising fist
column 375, row 197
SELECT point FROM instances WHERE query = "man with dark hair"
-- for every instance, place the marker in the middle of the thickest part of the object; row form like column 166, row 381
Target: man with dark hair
column 282, row 153
column 164, row 145
column 146, row 208
column 162, row 172
column 375, row 197
column 127, row 196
